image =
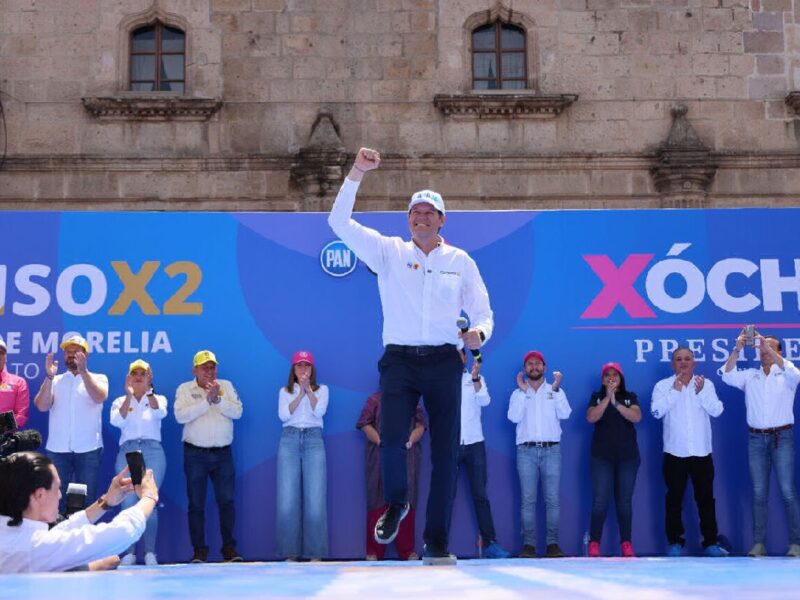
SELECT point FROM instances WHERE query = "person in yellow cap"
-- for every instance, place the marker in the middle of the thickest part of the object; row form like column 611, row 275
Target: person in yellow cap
column 74, row 400
column 207, row 408
column 138, row 413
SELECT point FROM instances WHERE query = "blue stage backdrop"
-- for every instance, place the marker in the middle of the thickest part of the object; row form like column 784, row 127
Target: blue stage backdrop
column 583, row 287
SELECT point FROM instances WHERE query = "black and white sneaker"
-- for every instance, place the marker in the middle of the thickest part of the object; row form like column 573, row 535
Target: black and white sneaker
column 389, row 524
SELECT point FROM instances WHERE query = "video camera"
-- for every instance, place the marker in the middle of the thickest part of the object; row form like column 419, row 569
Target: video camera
column 12, row 440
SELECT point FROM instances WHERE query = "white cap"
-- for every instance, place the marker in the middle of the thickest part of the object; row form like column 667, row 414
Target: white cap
column 428, row 197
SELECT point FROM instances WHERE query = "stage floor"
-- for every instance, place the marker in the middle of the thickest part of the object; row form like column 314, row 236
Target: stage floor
column 614, row 578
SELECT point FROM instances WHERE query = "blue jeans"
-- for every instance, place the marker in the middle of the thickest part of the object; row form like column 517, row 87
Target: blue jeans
column 199, row 464
column 764, row 450
column 301, row 528
column 77, row 467
column 618, row 477
column 155, row 459
column 437, row 378
column 473, row 457
column 533, row 462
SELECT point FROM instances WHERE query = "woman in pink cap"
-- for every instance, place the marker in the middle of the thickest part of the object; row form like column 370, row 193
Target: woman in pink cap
column 301, row 529
column 615, row 455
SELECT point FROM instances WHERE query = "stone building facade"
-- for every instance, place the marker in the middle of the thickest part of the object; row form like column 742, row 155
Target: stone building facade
column 624, row 103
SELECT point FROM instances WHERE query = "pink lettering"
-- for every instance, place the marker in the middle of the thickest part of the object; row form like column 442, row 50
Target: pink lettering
column 618, row 287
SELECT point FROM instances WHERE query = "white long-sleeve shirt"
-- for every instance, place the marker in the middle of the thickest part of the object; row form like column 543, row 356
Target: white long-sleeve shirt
column 303, row 416
column 141, row 421
column 686, row 414
column 207, row 425
column 33, row 548
column 537, row 413
column 769, row 398
column 471, row 404
column 422, row 295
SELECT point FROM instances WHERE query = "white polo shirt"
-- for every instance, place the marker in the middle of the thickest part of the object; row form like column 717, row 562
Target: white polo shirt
column 75, row 420
column 422, row 295
column 686, row 414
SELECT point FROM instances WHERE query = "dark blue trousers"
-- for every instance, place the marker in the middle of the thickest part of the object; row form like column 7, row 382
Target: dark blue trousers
column 437, row 378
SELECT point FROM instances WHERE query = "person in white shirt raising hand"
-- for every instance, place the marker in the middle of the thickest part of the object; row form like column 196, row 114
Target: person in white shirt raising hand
column 686, row 402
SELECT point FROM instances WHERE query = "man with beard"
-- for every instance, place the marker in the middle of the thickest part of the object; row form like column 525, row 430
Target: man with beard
column 537, row 407
column 769, row 399
column 686, row 402
column 74, row 400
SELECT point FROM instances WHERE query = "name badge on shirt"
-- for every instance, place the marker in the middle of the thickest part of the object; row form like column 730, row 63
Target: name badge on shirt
column 197, row 396
column 549, row 395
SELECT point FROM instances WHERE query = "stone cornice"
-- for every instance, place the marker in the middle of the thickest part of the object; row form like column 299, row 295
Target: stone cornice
column 502, row 105
column 151, row 108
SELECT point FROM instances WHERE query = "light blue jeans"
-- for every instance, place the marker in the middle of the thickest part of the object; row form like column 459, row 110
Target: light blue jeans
column 533, row 463
column 154, row 459
column 763, row 451
column 301, row 528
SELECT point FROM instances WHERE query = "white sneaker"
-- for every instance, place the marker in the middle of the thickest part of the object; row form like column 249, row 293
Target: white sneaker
column 757, row 550
column 128, row 560
column 150, row 559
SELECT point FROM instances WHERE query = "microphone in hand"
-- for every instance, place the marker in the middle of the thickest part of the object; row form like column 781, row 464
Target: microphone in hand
column 463, row 325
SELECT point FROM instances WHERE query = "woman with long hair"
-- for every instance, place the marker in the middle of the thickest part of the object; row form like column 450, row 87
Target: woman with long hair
column 615, row 455
column 138, row 414
column 301, row 530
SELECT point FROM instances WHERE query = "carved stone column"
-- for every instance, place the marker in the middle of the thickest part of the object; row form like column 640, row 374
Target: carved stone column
column 683, row 171
column 318, row 168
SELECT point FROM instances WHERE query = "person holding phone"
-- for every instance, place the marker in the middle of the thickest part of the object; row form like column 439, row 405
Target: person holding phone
column 301, row 526
column 615, row 456
column 769, row 393
column 537, row 407
column 30, row 488
column 138, row 414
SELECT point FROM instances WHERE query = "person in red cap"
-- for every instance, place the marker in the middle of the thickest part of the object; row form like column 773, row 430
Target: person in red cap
column 301, row 525
column 615, row 455
column 74, row 400
column 537, row 407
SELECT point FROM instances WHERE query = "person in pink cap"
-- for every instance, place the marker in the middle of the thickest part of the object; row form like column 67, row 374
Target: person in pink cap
column 615, row 455
column 14, row 394
column 301, row 527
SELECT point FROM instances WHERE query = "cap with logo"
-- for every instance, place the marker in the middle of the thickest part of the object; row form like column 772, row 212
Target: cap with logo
column 533, row 354
column 138, row 364
column 428, row 197
column 302, row 356
column 77, row 340
column 203, row 357
column 611, row 365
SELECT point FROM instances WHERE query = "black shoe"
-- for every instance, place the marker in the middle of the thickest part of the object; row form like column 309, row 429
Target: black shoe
column 389, row 524
column 200, row 555
column 528, row 551
column 229, row 554
column 553, row 551
column 437, row 557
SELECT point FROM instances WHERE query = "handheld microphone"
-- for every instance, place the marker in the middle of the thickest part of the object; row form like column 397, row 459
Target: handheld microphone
column 76, row 498
column 463, row 325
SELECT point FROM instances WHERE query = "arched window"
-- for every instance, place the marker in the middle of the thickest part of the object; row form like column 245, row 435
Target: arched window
column 498, row 57
column 158, row 54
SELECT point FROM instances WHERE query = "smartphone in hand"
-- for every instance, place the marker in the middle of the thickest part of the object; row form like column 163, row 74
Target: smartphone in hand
column 136, row 466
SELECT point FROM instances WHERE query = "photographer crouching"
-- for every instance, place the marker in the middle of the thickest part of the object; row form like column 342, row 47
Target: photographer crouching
column 30, row 490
